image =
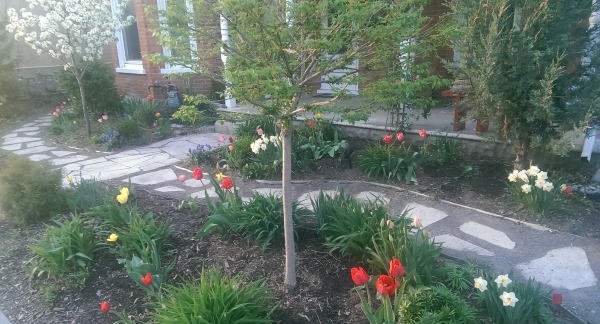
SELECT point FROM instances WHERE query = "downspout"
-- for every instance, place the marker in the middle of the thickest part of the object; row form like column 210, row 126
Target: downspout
column 590, row 135
column 230, row 101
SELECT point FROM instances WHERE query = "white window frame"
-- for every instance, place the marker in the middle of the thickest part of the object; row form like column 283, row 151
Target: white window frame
column 125, row 66
column 169, row 68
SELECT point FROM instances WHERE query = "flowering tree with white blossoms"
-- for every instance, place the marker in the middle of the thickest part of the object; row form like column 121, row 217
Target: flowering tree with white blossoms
column 73, row 31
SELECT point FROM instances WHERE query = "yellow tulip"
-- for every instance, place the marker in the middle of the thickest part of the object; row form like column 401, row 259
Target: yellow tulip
column 112, row 238
column 124, row 191
column 122, row 198
column 70, row 178
column 319, row 115
column 219, row 176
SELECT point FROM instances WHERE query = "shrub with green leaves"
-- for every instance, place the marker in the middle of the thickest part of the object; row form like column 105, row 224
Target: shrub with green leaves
column 396, row 239
column 196, row 110
column 129, row 131
column 434, row 305
column 87, row 194
column 259, row 220
column 457, row 277
column 511, row 302
column 31, row 191
column 100, row 90
column 141, row 236
column 143, row 111
column 255, row 122
column 445, row 150
column 533, row 190
column 390, row 161
column 346, row 224
column 65, row 251
column 63, row 123
column 215, row 299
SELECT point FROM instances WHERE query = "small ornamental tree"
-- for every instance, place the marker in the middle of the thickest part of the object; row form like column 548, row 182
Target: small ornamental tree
column 520, row 59
column 73, row 31
column 277, row 49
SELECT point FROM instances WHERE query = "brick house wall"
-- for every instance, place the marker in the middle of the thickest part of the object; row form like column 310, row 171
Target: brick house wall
column 138, row 84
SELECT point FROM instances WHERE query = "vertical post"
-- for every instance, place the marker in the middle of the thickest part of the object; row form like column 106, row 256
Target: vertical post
column 230, row 101
column 590, row 136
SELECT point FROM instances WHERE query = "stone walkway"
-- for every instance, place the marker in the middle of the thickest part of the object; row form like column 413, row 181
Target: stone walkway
column 564, row 262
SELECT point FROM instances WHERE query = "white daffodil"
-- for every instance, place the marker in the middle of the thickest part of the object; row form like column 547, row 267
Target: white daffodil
column 548, row 186
column 512, row 177
column 533, row 170
column 562, row 187
column 540, row 183
column 542, row 175
column 503, row 280
column 480, row 284
column 526, row 188
column 522, row 175
column 509, row 299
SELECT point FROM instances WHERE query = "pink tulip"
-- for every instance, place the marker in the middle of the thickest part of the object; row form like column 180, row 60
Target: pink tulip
column 182, row 178
column 105, row 117
column 231, row 148
column 259, row 132
column 150, row 97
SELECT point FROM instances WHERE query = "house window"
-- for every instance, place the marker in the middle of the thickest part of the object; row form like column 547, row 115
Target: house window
column 128, row 42
column 189, row 42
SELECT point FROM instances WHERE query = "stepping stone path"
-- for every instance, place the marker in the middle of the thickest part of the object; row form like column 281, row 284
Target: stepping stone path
column 565, row 263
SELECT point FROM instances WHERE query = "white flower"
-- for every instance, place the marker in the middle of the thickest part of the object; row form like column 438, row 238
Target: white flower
column 512, row 177
column 562, row 187
column 480, row 284
column 542, row 175
column 509, row 299
column 522, row 175
column 503, row 280
column 548, row 186
column 533, row 170
column 416, row 223
column 526, row 188
column 540, row 183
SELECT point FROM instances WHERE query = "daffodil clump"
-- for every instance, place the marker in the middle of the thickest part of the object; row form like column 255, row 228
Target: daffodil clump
column 533, row 189
column 261, row 144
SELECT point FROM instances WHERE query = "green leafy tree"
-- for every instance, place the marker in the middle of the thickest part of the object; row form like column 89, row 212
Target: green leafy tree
column 277, row 49
column 520, row 58
column 8, row 64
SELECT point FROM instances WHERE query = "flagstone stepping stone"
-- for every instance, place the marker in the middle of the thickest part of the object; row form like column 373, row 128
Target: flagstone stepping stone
column 17, row 139
column 427, row 215
column 487, row 234
column 44, row 124
column 69, row 159
column 373, row 197
column 28, row 125
column 201, row 194
column 34, row 144
column 193, row 183
column 62, row 153
column 9, row 135
column 31, row 133
column 567, row 268
column 11, row 147
column 159, row 164
column 26, row 129
column 33, row 150
column 39, row 157
column 169, row 189
column 268, row 191
column 304, row 200
column 155, row 177
column 455, row 243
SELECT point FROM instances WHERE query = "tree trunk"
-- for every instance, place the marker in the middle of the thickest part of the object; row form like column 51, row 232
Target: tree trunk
column 88, row 126
column 522, row 154
column 288, row 221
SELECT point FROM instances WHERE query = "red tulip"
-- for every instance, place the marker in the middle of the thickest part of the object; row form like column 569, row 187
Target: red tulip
column 150, row 97
column 182, row 178
column 396, row 268
column 556, row 299
column 386, row 285
column 147, row 279
column 387, row 139
column 227, row 183
column 568, row 190
column 197, row 173
column 400, row 137
column 230, row 139
column 231, row 148
column 423, row 133
column 104, row 307
column 359, row 276
column 311, row 123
